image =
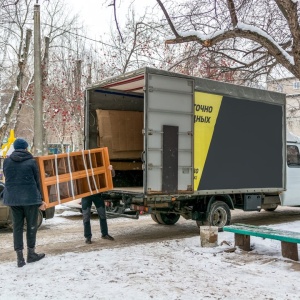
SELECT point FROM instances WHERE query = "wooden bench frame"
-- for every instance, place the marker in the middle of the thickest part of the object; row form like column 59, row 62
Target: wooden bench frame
column 289, row 239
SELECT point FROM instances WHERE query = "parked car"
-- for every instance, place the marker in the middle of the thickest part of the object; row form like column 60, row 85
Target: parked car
column 6, row 217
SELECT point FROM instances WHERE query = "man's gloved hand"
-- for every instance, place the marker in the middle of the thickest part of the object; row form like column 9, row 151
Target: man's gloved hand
column 113, row 173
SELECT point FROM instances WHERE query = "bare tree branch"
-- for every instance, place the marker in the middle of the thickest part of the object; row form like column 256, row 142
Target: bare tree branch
column 231, row 7
column 116, row 19
column 168, row 19
column 271, row 26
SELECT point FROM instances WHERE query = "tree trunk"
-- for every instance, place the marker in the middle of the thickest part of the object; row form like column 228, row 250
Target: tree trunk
column 78, row 117
column 19, row 88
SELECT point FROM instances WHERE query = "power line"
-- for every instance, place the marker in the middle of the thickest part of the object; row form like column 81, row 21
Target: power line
column 79, row 35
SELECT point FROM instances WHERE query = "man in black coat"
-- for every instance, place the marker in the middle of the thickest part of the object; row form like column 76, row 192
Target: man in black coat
column 98, row 200
column 22, row 193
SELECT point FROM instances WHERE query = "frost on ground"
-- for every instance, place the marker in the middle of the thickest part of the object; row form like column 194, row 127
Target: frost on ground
column 172, row 269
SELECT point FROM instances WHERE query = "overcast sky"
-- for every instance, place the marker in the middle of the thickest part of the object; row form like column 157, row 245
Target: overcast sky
column 97, row 16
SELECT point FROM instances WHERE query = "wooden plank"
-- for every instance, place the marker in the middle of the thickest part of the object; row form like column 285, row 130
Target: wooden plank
column 289, row 250
column 242, row 241
column 264, row 232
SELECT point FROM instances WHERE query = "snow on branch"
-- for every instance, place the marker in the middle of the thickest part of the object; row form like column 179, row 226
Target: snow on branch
column 241, row 30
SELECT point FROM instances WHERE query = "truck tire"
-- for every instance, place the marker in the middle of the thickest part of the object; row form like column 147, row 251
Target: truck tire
column 167, row 218
column 219, row 215
column 39, row 220
column 154, row 218
column 1, row 190
column 49, row 213
column 271, row 208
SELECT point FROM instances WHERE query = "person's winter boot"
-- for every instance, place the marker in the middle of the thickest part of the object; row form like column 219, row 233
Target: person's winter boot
column 20, row 259
column 108, row 237
column 88, row 241
column 32, row 256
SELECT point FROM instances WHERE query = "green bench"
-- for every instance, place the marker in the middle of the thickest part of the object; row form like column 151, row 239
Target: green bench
column 289, row 239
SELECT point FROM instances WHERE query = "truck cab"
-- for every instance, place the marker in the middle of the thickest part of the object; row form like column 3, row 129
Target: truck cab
column 290, row 197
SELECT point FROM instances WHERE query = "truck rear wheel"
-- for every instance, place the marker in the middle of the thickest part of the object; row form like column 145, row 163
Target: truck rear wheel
column 167, row 218
column 154, row 218
column 219, row 215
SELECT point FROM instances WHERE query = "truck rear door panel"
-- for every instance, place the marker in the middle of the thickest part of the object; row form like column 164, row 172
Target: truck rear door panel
column 169, row 106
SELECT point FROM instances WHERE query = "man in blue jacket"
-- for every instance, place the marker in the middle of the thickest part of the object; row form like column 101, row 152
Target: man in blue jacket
column 22, row 193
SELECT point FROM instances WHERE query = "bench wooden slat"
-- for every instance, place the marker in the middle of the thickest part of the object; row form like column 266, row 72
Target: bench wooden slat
column 264, row 232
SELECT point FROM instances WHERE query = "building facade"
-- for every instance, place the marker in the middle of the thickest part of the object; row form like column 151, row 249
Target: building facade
column 291, row 87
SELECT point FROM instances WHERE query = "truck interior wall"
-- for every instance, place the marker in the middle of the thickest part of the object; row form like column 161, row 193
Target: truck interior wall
column 127, row 172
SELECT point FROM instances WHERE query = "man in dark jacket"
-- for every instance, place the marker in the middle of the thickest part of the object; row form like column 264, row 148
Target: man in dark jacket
column 22, row 193
column 86, row 204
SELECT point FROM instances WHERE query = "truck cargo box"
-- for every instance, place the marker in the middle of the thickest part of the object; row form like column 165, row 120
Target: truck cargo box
column 199, row 136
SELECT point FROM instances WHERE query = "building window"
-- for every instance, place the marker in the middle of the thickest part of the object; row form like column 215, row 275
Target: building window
column 296, row 85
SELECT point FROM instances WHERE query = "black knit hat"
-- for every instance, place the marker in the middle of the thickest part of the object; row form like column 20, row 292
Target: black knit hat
column 20, row 144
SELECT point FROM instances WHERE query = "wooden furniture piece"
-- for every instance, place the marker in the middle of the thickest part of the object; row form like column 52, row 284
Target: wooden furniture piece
column 289, row 239
column 69, row 176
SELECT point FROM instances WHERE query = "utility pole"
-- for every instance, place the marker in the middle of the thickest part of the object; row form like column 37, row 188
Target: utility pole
column 78, row 110
column 38, row 101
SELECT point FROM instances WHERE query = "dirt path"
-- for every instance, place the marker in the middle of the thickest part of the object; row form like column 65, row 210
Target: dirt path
column 64, row 233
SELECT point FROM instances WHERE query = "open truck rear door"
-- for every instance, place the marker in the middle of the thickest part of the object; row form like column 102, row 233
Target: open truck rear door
column 168, row 134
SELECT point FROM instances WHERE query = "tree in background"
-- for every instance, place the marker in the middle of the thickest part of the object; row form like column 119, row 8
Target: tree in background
column 255, row 36
column 189, row 60
column 15, row 44
column 71, row 60
column 58, row 85
column 141, row 42
column 132, row 45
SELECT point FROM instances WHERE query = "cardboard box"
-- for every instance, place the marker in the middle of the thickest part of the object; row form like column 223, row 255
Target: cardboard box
column 69, row 176
column 121, row 133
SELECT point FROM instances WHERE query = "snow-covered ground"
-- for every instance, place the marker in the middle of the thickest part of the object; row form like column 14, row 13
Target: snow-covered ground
column 175, row 269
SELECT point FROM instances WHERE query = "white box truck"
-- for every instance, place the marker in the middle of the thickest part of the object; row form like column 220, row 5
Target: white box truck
column 187, row 146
